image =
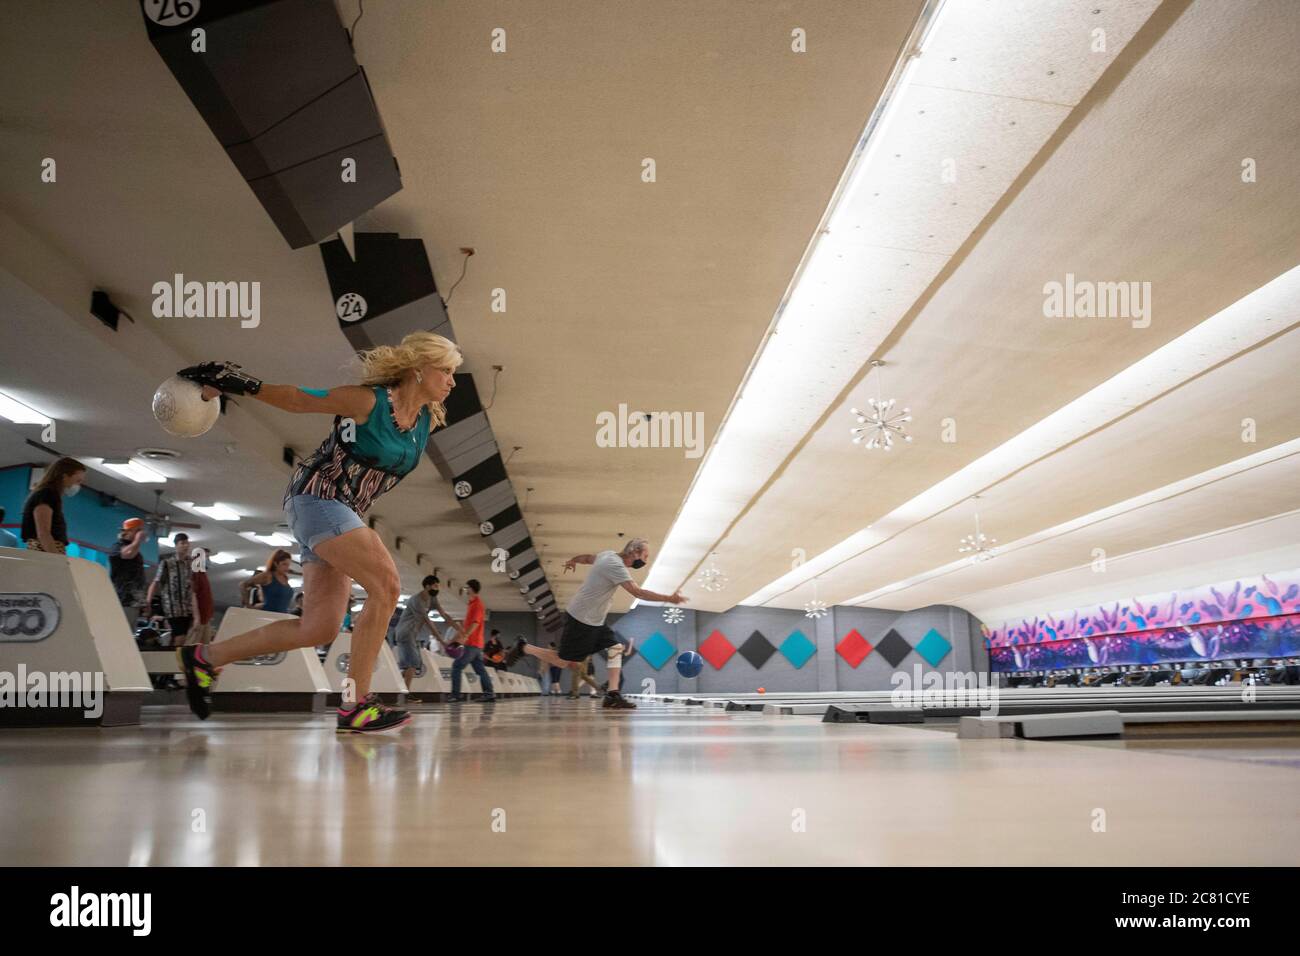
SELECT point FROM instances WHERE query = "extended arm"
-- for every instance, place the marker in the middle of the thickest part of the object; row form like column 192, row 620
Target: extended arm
column 153, row 585
column 579, row 559
column 260, row 578
column 450, row 620
column 642, row 594
column 350, row 401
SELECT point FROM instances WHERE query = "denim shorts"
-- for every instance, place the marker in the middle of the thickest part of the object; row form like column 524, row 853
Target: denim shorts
column 314, row 520
column 408, row 647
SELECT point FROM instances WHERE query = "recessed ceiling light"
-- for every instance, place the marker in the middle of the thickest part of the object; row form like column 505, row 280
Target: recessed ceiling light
column 275, row 539
column 216, row 511
column 134, row 470
column 21, row 414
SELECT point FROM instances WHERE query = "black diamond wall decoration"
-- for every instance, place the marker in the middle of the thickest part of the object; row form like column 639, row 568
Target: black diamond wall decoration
column 893, row 648
column 757, row 649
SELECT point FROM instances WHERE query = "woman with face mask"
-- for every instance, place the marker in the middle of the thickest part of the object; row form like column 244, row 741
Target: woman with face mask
column 43, row 526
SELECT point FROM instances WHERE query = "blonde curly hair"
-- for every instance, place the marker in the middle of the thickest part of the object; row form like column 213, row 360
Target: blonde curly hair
column 386, row 364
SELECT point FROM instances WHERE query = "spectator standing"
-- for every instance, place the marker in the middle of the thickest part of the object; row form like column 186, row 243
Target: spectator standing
column 472, row 654
column 44, row 528
column 173, row 584
column 126, row 569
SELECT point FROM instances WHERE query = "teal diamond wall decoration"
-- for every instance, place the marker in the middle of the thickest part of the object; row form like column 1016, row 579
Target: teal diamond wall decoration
column 797, row 649
column 934, row 647
column 656, row 649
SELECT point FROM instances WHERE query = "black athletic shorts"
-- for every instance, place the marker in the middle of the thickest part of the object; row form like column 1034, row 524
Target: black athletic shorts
column 579, row 641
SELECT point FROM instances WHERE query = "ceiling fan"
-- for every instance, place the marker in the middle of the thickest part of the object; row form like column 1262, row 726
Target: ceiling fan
column 160, row 523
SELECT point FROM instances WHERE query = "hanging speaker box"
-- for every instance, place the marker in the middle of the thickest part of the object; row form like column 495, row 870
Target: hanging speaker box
column 276, row 82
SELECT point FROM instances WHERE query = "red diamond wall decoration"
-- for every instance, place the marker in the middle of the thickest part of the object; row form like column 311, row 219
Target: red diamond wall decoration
column 854, row 648
column 717, row 650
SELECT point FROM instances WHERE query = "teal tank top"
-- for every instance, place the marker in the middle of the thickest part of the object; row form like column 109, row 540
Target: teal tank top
column 357, row 472
column 382, row 442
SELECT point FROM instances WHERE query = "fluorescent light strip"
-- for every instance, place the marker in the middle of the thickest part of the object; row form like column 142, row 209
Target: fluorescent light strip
column 1171, row 490
column 221, row 558
column 846, row 297
column 21, row 414
column 1243, row 325
column 750, row 444
column 134, row 470
column 216, row 511
column 275, row 539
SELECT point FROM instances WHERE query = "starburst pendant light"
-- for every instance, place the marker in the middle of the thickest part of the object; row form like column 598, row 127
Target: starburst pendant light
column 880, row 425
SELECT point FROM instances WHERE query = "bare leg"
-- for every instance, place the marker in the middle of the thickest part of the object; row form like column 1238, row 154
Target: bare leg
column 360, row 554
column 325, row 595
column 615, row 667
column 550, row 656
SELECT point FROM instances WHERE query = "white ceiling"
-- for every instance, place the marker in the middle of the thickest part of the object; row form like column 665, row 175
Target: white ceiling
column 1120, row 165
column 618, row 291
column 1123, row 190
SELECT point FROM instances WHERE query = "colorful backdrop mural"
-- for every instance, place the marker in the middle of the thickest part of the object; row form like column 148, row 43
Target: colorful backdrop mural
column 1254, row 617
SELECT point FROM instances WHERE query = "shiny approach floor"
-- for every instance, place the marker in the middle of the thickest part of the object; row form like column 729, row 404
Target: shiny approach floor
column 557, row 782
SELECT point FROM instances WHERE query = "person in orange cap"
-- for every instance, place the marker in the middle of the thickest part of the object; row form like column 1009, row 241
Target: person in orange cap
column 126, row 568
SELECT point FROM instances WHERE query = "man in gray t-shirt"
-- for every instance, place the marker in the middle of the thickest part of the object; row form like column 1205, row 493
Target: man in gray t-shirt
column 608, row 573
column 414, row 619
column 585, row 632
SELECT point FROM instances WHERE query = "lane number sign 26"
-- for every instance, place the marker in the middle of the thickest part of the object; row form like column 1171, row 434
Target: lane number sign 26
column 171, row 13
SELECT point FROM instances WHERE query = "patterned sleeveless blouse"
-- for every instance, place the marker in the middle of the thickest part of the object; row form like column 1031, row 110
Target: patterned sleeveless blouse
column 358, row 472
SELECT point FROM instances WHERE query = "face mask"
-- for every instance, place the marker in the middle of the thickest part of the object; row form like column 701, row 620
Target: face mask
column 638, row 564
column 72, row 491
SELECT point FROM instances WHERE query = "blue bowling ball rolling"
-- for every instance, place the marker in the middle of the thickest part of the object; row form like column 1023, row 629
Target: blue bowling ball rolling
column 689, row 664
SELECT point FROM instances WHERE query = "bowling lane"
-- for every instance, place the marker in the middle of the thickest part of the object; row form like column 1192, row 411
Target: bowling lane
column 571, row 784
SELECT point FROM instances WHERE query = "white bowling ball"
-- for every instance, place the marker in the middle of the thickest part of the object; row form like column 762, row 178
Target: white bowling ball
column 180, row 409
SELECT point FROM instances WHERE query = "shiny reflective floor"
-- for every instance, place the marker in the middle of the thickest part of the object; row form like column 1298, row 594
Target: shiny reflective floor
column 555, row 782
